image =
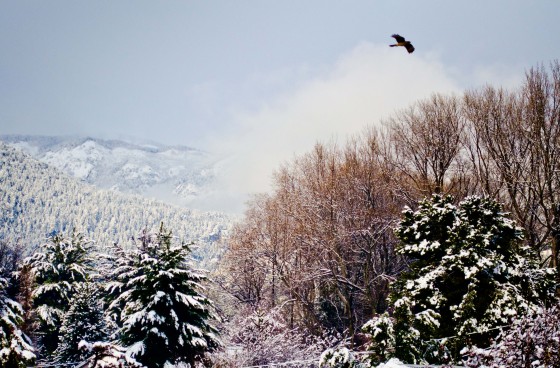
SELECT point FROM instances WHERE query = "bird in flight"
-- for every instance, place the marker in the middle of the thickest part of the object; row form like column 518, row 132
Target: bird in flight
column 402, row 42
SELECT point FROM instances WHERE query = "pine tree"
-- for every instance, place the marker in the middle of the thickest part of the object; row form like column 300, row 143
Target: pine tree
column 107, row 355
column 382, row 345
column 469, row 275
column 407, row 338
column 164, row 317
column 58, row 267
column 83, row 321
column 16, row 350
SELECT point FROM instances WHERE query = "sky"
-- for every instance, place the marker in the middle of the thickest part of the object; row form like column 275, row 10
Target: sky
column 256, row 81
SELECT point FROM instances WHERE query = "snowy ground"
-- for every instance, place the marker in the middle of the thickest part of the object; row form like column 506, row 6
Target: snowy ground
column 395, row 363
column 392, row 363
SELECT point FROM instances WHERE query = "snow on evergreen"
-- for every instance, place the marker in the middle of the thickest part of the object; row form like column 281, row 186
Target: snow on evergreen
column 336, row 358
column 58, row 267
column 16, row 349
column 106, row 355
column 84, row 321
column 469, row 275
column 158, row 303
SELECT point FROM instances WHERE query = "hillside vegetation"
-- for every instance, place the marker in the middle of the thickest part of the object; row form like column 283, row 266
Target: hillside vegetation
column 177, row 175
column 38, row 200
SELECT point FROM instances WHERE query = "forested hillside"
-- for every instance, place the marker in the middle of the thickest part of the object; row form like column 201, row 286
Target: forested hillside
column 38, row 200
column 176, row 175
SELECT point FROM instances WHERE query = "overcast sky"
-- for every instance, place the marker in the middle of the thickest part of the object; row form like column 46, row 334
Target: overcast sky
column 260, row 81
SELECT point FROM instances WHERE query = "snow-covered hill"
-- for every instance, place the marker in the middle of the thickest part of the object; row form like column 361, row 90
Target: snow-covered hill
column 37, row 199
column 174, row 174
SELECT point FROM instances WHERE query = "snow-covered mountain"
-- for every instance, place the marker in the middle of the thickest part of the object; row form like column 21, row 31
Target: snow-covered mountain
column 174, row 174
column 37, row 200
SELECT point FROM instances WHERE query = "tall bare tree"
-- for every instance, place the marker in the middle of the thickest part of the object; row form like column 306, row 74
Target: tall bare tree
column 541, row 101
column 515, row 150
column 425, row 144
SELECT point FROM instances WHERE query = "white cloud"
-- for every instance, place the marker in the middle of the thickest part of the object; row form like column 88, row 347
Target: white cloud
column 498, row 75
column 365, row 85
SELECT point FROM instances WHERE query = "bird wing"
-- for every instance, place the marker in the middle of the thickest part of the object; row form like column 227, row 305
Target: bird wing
column 409, row 47
column 398, row 38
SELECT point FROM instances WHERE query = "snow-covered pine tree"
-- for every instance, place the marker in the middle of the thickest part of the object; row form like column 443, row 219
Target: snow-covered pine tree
column 107, row 355
column 83, row 321
column 469, row 275
column 382, row 345
column 165, row 318
column 58, row 267
column 16, row 350
column 337, row 358
column 390, row 334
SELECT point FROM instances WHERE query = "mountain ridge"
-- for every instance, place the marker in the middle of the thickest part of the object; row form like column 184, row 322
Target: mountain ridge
column 178, row 175
column 38, row 200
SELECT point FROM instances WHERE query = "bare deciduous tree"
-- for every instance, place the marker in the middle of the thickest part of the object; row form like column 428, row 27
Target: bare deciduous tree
column 324, row 238
column 426, row 144
column 515, row 151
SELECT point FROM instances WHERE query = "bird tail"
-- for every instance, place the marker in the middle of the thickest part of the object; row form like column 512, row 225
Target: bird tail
column 393, row 45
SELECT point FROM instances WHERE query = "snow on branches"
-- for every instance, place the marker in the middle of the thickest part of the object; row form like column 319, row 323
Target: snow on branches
column 532, row 340
column 58, row 268
column 469, row 274
column 15, row 347
column 157, row 300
